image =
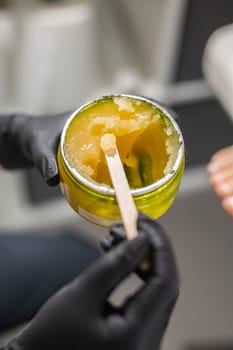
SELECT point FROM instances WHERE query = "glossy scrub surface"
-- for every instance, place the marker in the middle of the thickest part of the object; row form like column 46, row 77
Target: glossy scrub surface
column 147, row 142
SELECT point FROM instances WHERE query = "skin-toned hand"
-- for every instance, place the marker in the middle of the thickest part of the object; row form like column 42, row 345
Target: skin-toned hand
column 220, row 170
column 32, row 141
column 81, row 317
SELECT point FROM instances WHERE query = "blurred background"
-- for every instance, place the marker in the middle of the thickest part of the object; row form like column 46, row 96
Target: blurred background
column 57, row 55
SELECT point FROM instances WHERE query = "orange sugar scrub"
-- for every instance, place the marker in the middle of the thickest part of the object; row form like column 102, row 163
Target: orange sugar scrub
column 146, row 140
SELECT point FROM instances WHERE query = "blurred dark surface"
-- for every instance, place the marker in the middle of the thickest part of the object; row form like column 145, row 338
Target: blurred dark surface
column 202, row 18
column 206, row 128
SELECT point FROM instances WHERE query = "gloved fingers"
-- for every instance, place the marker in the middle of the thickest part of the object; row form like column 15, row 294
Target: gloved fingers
column 158, row 237
column 46, row 133
column 161, row 288
column 118, row 232
column 145, row 225
column 163, row 263
column 49, row 171
column 153, row 299
column 110, row 309
column 46, row 162
column 117, row 235
column 110, row 269
column 161, row 251
column 107, row 243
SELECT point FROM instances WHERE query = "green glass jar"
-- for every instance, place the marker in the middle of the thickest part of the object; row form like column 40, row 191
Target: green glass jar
column 151, row 148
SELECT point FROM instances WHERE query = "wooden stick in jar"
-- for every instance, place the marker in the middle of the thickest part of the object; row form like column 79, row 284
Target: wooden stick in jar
column 125, row 201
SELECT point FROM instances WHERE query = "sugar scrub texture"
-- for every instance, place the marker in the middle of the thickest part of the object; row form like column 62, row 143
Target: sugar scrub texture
column 146, row 140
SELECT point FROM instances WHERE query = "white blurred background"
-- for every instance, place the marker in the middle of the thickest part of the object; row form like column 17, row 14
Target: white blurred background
column 56, row 55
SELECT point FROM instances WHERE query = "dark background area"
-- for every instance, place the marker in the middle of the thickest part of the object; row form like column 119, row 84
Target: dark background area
column 202, row 18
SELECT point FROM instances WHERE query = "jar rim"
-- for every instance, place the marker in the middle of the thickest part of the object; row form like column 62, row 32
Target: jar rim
column 105, row 189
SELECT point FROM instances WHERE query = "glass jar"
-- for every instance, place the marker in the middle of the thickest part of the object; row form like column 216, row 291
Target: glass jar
column 94, row 199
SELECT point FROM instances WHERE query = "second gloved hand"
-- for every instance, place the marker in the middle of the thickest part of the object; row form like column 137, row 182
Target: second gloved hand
column 31, row 141
column 81, row 317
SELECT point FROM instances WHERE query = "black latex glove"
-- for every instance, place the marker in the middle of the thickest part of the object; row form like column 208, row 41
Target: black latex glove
column 80, row 316
column 31, row 141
